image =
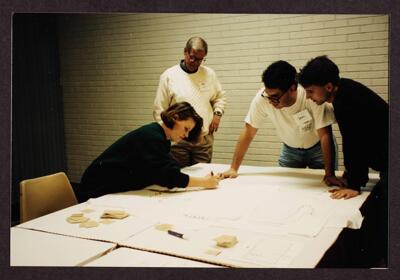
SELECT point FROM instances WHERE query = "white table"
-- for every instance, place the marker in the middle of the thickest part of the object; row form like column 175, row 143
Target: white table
column 257, row 246
column 242, row 205
column 283, row 217
column 35, row 248
column 114, row 232
column 126, row 257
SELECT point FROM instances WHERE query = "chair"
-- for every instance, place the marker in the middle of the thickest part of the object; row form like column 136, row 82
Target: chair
column 44, row 195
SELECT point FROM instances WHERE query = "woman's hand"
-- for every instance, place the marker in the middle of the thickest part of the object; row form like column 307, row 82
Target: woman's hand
column 211, row 181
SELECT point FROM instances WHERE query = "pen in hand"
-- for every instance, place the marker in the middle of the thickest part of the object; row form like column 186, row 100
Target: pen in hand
column 210, row 181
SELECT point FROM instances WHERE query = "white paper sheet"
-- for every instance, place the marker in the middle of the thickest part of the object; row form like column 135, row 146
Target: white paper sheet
column 126, row 257
column 252, row 249
column 36, row 248
column 113, row 232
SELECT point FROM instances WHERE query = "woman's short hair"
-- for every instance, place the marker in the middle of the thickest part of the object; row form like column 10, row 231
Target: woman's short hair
column 182, row 111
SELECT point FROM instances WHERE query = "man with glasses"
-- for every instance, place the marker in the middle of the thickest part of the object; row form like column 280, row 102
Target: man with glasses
column 192, row 82
column 303, row 127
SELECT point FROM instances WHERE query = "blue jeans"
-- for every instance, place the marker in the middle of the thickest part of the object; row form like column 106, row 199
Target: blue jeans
column 302, row 158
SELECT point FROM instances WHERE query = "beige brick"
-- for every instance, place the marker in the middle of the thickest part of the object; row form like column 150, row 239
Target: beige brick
column 359, row 52
column 360, row 36
column 312, row 33
column 289, row 28
column 381, row 19
column 360, row 21
column 312, row 26
column 334, row 39
column 347, row 30
column 380, row 35
column 374, row 27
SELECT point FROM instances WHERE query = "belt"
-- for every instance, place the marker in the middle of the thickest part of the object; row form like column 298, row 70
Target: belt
column 302, row 149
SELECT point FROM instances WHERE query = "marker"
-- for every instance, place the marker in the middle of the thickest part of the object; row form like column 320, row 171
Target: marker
column 177, row 234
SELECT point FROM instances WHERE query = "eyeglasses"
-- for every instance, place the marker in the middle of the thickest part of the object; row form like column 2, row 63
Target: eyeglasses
column 196, row 59
column 274, row 98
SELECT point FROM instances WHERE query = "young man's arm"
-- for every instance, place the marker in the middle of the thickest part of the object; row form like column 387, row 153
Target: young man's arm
column 242, row 145
column 328, row 153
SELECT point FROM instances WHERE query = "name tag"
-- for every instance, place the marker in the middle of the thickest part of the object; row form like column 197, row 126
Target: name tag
column 304, row 121
column 204, row 87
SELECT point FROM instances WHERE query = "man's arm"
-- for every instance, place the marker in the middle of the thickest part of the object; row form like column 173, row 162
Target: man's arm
column 218, row 103
column 328, row 153
column 214, row 125
column 243, row 143
column 218, row 100
column 162, row 100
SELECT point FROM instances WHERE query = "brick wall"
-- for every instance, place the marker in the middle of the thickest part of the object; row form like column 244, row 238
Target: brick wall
column 111, row 64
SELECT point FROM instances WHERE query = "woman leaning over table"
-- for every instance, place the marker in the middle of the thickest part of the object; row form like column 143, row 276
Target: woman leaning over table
column 141, row 157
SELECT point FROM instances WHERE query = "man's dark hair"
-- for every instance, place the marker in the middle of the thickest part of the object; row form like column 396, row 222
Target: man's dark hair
column 279, row 74
column 319, row 71
column 182, row 111
column 196, row 43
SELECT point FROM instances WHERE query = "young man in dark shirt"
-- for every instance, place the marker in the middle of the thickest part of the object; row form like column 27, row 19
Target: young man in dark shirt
column 363, row 120
column 142, row 157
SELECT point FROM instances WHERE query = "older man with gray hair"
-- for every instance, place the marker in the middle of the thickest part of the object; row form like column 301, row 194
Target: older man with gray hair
column 192, row 82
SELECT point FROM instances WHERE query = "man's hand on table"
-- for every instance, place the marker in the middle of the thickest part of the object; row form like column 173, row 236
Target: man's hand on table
column 343, row 193
column 230, row 173
column 332, row 180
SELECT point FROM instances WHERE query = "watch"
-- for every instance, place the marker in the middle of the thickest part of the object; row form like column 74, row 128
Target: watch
column 218, row 113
